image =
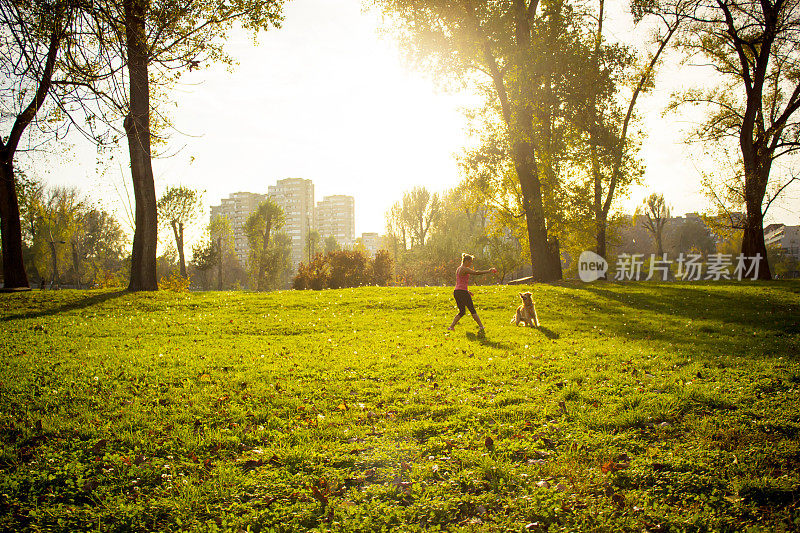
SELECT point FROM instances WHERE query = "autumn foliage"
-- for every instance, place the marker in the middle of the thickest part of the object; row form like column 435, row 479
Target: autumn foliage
column 343, row 268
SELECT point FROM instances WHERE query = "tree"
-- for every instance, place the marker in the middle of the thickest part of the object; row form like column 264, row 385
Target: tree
column 59, row 219
column 179, row 207
column 612, row 165
column 396, row 229
column 34, row 33
column 279, row 262
column 505, row 253
column 313, row 275
column 259, row 228
column 98, row 243
column 167, row 263
column 382, row 268
column 221, row 233
column 692, row 234
column 169, row 38
column 348, row 268
column 513, row 46
column 420, row 210
column 312, row 247
column 205, row 256
column 331, row 244
column 655, row 213
column 460, row 225
column 753, row 46
column 784, row 264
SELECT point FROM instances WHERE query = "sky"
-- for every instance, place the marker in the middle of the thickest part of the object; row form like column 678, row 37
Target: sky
column 328, row 97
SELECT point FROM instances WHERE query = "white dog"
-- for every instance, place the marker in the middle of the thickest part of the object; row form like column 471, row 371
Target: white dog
column 526, row 313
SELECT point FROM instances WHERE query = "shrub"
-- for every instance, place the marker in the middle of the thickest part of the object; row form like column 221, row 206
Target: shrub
column 175, row 282
column 314, row 275
column 348, row 268
column 106, row 279
column 343, row 268
column 382, row 268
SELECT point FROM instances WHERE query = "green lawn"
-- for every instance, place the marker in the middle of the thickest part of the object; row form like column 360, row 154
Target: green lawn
column 635, row 407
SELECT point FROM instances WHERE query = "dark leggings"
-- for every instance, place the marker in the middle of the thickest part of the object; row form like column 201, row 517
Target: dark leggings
column 463, row 301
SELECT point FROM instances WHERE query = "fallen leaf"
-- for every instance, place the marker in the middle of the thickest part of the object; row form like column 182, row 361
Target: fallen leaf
column 612, row 466
column 98, row 446
column 321, row 498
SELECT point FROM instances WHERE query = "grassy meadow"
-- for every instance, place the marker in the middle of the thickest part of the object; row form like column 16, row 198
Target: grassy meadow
column 635, row 407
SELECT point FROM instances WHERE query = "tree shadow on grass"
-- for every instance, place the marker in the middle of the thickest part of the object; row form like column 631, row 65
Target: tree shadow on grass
column 666, row 315
column 702, row 302
column 70, row 306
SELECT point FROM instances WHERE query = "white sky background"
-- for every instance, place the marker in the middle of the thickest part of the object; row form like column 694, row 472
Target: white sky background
column 328, row 99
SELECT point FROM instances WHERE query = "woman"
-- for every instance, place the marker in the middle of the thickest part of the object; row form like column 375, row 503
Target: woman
column 461, row 293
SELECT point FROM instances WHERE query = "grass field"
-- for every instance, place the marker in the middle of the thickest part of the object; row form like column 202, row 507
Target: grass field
column 636, row 407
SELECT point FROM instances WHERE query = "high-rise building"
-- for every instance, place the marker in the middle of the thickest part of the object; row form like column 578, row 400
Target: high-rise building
column 336, row 218
column 296, row 197
column 237, row 207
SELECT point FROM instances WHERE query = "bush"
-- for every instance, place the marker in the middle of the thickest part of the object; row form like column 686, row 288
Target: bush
column 349, row 268
column 314, row 275
column 382, row 268
column 106, row 279
column 343, row 268
column 175, row 282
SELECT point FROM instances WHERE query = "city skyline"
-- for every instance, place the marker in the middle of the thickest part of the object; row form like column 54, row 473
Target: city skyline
column 333, row 216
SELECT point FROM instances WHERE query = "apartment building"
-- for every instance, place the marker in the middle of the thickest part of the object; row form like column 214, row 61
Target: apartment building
column 296, row 197
column 336, row 218
column 237, row 207
column 371, row 242
column 787, row 237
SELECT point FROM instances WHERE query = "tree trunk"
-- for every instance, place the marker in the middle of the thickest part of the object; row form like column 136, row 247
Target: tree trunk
column 76, row 263
column 177, row 228
column 262, row 266
column 14, row 275
column 753, row 238
column 219, row 263
column 54, row 279
column 602, row 226
column 137, row 128
column 542, row 266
